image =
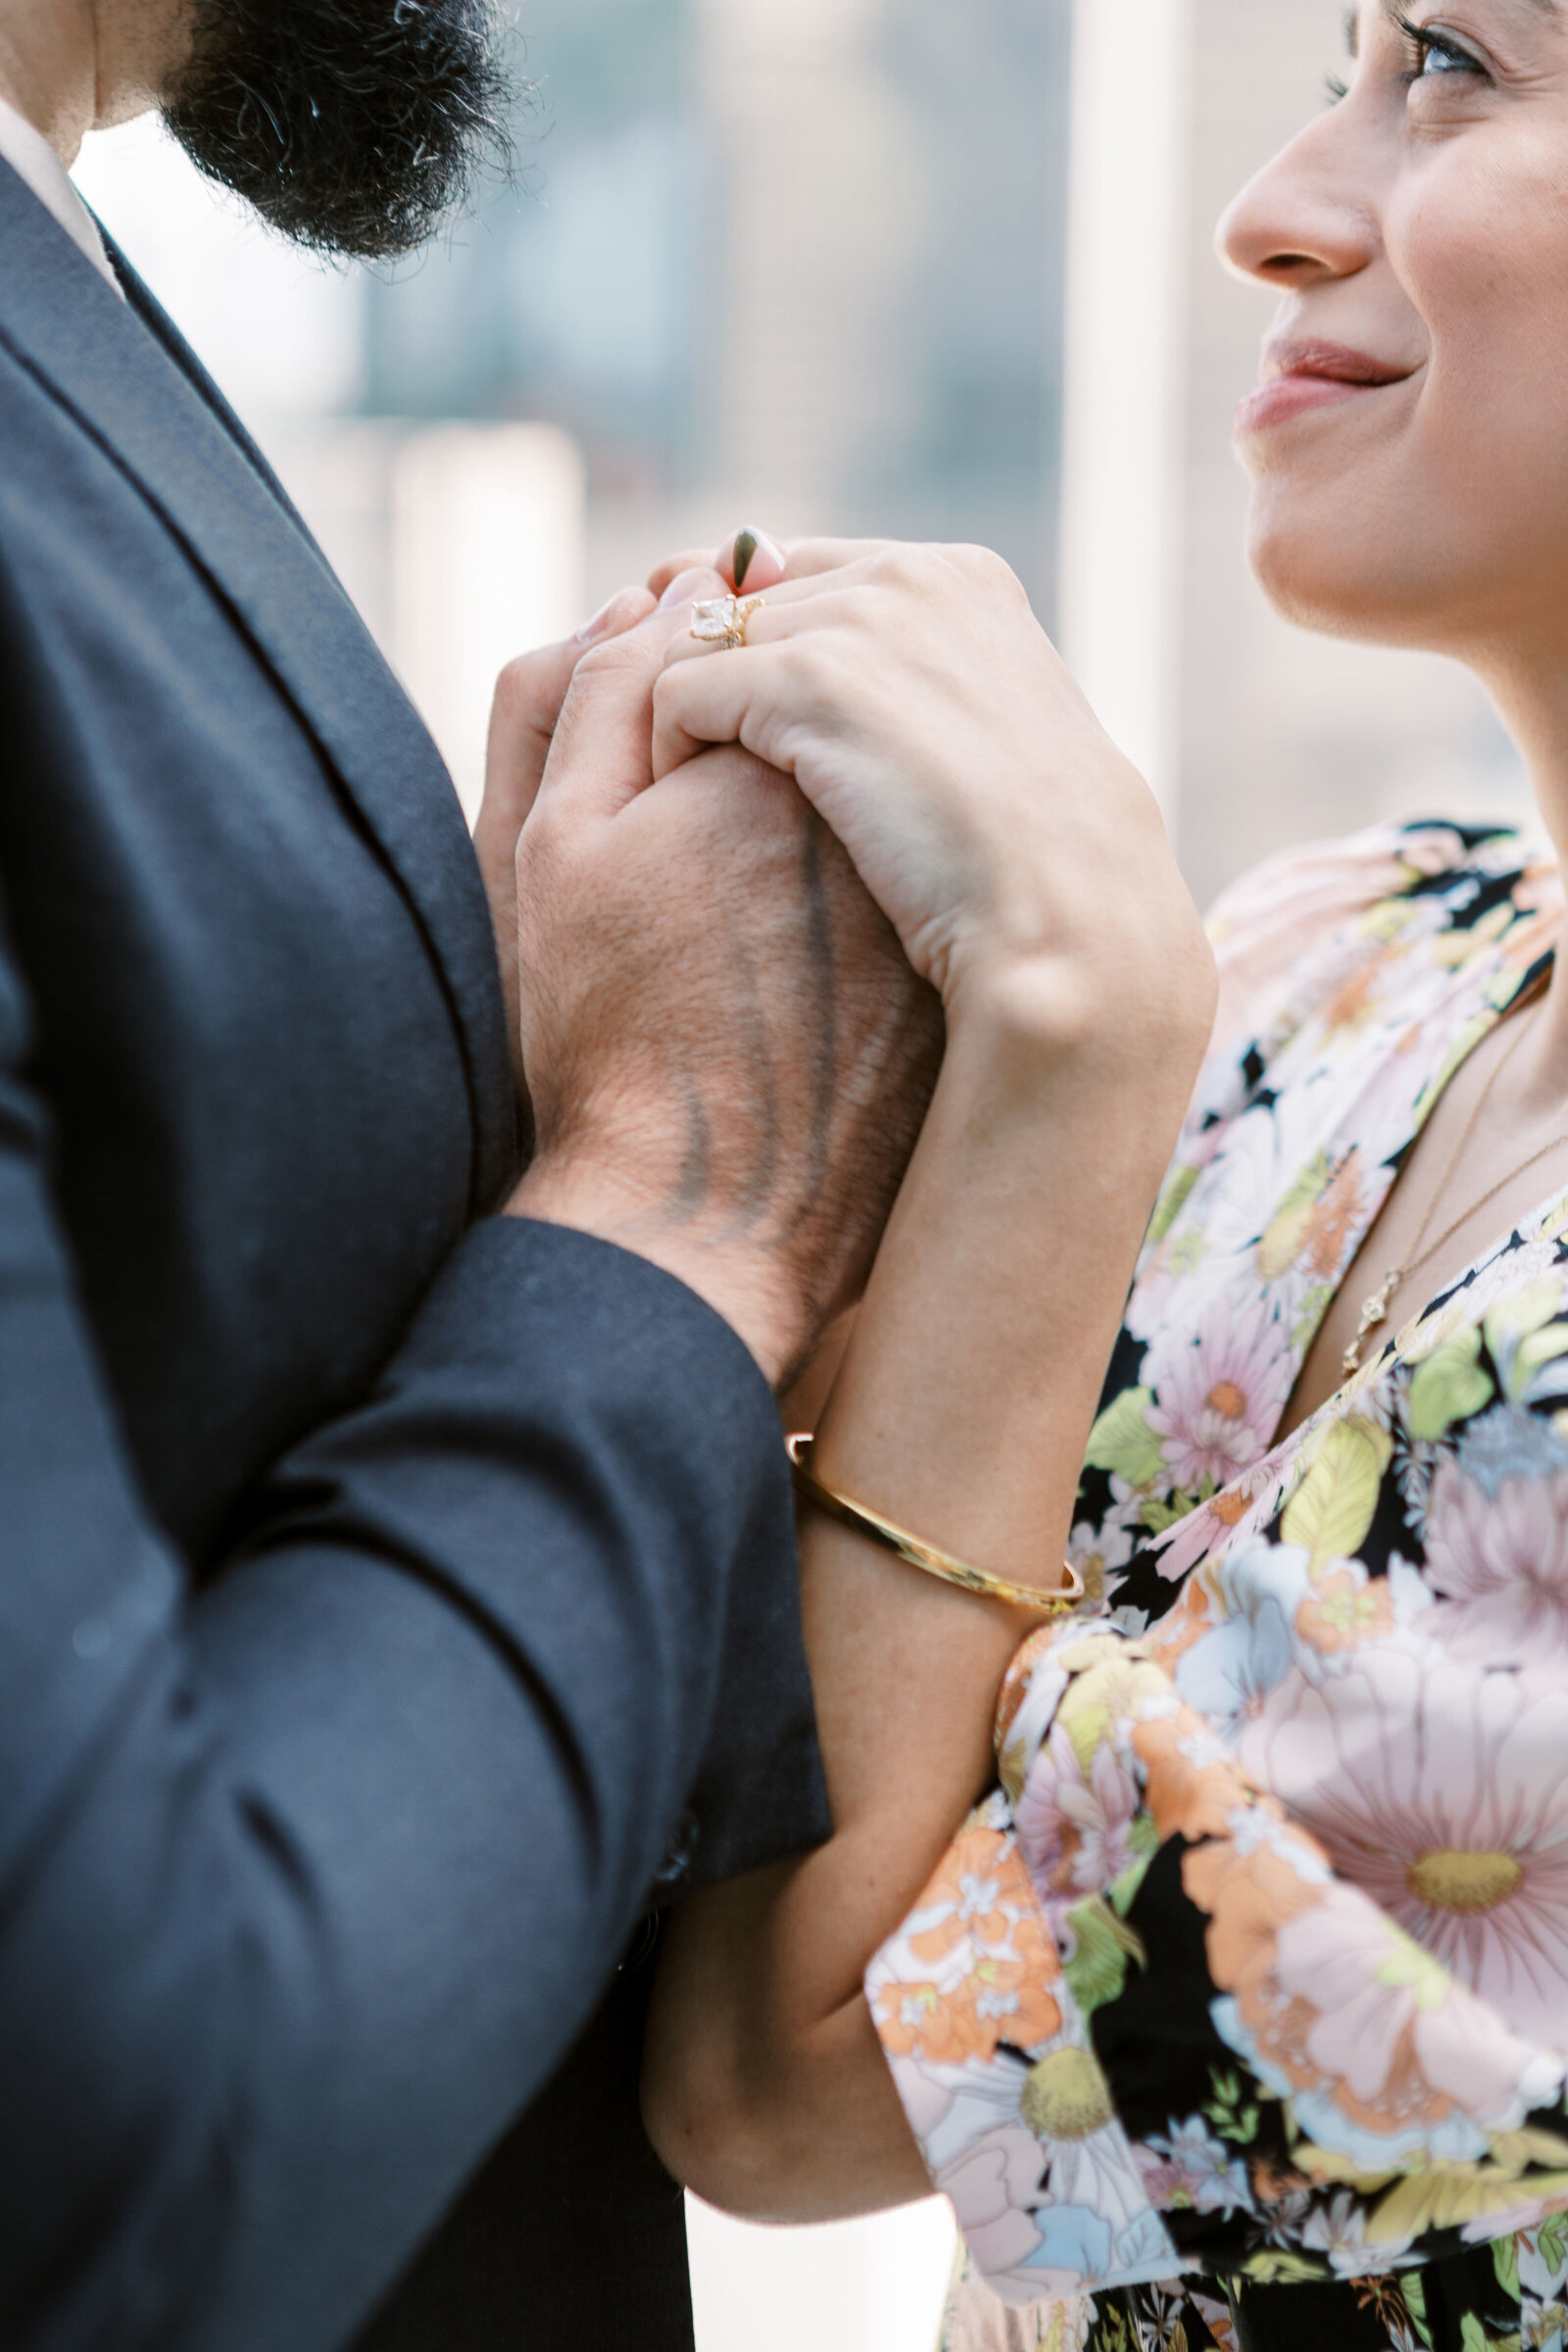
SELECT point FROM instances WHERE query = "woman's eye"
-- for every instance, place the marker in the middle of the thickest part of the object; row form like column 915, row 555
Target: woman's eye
column 1444, row 61
column 1438, row 55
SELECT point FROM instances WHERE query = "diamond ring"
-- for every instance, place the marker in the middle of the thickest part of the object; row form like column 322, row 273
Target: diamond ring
column 721, row 620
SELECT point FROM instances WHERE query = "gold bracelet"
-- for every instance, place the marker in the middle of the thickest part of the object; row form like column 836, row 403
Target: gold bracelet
column 940, row 1564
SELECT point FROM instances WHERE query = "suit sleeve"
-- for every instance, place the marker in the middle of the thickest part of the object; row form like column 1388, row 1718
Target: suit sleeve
column 1140, row 2026
column 308, row 1883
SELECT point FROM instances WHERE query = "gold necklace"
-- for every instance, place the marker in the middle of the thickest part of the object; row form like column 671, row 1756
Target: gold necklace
column 1375, row 1307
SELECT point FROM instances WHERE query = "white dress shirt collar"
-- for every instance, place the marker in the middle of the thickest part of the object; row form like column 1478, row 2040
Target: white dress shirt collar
column 32, row 159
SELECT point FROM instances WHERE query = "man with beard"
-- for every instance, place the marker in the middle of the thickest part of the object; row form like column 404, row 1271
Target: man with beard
column 396, row 1556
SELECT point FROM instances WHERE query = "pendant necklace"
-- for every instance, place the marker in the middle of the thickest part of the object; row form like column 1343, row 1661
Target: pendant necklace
column 1375, row 1307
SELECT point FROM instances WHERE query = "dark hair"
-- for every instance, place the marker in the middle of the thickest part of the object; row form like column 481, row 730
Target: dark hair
column 354, row 126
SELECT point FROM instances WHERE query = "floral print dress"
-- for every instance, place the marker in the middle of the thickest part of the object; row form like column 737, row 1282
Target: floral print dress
column 1238, row 2014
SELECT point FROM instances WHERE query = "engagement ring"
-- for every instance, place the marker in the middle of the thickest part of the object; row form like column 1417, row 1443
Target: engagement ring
column 721, row 620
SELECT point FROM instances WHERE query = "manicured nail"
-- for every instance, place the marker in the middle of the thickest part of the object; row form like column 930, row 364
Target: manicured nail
column 747, row 544
column 600, row 622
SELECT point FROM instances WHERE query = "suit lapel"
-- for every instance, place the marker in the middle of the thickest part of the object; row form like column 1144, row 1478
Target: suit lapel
column 150, row 310
column 128, row 378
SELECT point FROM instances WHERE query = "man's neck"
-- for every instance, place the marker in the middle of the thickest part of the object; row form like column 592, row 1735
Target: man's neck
column 49, row 68
column 74, row 66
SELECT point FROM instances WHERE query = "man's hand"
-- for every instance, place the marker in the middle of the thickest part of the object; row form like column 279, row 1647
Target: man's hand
column 529, row 694
column 727, row 1056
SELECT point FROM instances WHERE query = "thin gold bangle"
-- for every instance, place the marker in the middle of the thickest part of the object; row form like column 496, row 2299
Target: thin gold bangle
column 940, row 1564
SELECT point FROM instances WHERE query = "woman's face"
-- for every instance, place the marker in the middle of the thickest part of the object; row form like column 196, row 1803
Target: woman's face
column 1408, row 444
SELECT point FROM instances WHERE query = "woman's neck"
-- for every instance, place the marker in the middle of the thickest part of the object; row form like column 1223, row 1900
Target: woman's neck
column 1530, row 694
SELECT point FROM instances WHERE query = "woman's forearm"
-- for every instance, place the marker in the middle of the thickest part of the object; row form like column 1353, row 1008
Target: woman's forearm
column 961, row 1410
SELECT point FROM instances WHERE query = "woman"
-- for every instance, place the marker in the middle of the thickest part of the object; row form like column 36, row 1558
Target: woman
column 1237, row 2014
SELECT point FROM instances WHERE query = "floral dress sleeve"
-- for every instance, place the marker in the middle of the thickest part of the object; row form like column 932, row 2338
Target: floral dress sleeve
column 1140, row 2026
column 1247, row 1986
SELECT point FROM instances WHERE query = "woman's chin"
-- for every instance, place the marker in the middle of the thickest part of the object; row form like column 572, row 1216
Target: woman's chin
column 1334, row 584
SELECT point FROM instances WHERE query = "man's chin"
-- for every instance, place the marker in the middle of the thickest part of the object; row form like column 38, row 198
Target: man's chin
column 356, row 127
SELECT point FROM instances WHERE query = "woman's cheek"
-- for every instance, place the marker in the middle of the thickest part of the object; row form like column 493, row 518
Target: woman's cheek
column 1479, row 238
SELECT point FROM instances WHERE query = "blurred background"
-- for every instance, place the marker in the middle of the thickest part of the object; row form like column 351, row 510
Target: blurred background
column 845, row 265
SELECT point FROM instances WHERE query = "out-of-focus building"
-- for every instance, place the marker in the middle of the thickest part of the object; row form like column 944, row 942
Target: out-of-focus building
column 790, row 261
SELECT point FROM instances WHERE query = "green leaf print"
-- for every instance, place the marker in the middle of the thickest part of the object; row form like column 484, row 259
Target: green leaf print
column 1331, row 1513
column 1523, row 1333
column 1414, row 2288
column 1514, row 1318
column 1309, row 1320
column 1473, row 2337
column 1098, row 1970
column 1505, row 2262
column 1156, row 1516
column 1233, row 2115
column 1273, row 2267
column 1282, row 1243
column 1172, row 1201
column 1551, row 2240
column 1448, row 1387
column 1143, row 1840
column 1541, row 1347
column 1121, row 1441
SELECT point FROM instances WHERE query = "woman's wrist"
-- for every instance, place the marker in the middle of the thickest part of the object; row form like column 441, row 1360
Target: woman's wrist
column 1126, row 1016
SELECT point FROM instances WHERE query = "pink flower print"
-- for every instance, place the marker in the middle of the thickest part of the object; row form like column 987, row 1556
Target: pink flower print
column 1443, row 1791
column 1501, row 1562
column 1338, row 2230
column 1372, row 2014
column 1235, row 1515
column 993, row 2185
column 1162, row 2177
column 1075, row 1832
column 1200, row 2170
column 1218, row 1399
column 1098, row 1553
column 1228, row 1673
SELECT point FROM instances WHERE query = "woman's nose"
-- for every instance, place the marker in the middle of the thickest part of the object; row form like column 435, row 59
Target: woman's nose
column 1303, row 220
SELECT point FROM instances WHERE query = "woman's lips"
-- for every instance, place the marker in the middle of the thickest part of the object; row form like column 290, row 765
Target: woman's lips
column 1298, row 377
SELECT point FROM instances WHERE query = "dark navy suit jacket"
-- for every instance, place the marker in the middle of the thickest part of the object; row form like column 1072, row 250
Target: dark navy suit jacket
column 384, row 1585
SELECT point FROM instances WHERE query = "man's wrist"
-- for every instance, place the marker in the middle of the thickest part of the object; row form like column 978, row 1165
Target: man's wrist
column 746, row 1287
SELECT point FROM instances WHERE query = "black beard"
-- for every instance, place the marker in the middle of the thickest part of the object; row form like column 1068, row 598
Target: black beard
column 354, row 126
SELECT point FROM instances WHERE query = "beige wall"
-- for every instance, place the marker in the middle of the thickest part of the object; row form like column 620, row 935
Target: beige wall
column 1284, row 736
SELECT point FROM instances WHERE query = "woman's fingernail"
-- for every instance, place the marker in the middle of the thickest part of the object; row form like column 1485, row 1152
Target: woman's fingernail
column 600, row 622
column 748, row 543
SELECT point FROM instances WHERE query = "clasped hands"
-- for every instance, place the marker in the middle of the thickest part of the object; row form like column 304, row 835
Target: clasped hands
column 747, row 900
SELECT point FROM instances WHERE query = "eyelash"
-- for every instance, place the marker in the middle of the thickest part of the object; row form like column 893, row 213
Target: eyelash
column 1424, row 43
column 1427, row 43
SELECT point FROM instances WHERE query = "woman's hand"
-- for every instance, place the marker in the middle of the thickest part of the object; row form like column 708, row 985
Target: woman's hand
column 1027, row 868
